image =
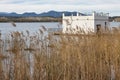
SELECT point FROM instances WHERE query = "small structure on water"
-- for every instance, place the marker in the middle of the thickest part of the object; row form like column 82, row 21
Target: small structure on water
column 87, row 23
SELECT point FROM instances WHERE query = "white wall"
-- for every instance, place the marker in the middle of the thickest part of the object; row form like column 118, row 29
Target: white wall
column 77, row 23
column 73, row 24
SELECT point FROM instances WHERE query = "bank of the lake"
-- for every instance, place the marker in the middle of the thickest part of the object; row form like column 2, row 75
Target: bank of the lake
column 30, row 19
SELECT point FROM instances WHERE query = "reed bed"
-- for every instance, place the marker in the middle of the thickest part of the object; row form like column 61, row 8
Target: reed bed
column 59, row 57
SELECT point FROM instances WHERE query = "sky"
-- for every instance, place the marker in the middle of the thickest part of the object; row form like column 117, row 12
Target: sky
column 83, row 6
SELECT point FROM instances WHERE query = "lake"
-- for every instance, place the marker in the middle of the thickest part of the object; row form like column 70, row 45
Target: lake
column 114, row 24
column 35, row 26
column 30, row 26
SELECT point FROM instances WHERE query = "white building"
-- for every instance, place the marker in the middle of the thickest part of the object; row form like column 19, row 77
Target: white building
column 79, row 23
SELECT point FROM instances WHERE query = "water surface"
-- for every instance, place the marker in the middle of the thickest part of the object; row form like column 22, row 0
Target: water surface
column 30, row 26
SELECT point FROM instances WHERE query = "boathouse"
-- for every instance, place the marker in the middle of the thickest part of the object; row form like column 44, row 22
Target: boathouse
column 85, row 23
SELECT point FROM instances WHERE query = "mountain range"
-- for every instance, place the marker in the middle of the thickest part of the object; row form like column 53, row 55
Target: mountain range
column 55, row 14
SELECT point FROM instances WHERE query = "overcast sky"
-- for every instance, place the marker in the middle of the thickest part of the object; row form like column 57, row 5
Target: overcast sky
column 83, row 6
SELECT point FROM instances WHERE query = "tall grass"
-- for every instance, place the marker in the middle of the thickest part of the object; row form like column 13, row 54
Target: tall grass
column 63, row 57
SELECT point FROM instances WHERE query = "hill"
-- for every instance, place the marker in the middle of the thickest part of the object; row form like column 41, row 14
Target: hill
column 55, row 14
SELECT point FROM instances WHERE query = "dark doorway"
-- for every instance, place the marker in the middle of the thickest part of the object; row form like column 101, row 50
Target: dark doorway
column 98, row 26
column 105, row 25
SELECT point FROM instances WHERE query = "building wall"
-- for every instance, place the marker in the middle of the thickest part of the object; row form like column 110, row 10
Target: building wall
column 83, row 24
column 76, row 24
column 101, row 20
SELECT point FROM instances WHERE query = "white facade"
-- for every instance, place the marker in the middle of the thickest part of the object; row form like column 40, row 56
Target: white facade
column 78, row 24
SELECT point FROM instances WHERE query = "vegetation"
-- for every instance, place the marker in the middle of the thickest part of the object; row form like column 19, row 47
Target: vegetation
column 63, row 57
column 115, row 18
column 43, row 19
column 29, row 19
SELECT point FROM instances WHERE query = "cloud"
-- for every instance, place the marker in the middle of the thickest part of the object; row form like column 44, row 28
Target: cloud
column 39, row 6
column 63, row 2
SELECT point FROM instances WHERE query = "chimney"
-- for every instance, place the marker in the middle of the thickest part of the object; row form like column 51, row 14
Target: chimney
column 63, row 14
column 77, row 14
column 94, row 13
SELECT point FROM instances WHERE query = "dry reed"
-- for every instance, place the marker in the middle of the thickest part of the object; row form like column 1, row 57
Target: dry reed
column 60, row 57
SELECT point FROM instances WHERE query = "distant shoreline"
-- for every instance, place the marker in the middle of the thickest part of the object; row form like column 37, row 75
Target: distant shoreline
column 30, row 19
column 43, row 19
